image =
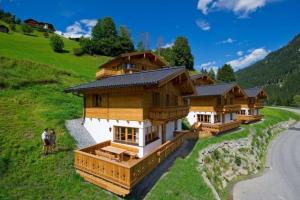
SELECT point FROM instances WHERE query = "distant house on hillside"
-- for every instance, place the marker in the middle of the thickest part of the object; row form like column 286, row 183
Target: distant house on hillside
column 35, row 24
column 4, row 29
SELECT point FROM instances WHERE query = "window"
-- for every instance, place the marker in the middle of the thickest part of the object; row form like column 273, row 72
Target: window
column 203, row 118
column 242, row 112
column 126, row 135
column 156, row 99
column 231, row 116
column 151, row 134
column 97, row 100
column 217, row 118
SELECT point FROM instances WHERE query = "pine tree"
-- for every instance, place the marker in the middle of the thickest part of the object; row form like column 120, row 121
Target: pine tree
column 108, row 28
column 126, row 43
column 226, row 74
column 182, row 55
column 97, row 31
column 212, row 74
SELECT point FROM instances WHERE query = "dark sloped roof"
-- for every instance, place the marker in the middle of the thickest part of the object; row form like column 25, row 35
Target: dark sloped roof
column 253, row 92
column 195, row 76
column 213, row 90
column 151, row 77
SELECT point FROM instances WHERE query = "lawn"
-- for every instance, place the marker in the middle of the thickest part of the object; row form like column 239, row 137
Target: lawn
column 37, row 49
column 183, row 181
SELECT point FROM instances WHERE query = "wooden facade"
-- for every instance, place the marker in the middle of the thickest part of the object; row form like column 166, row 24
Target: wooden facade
column 130, row 63
column 250, row 107
column 215, row 114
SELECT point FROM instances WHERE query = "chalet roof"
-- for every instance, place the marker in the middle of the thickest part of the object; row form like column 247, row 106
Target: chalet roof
column 134, row 54
column 253, row 92
column 196, row 76
column 150, row 77
column 214, row 90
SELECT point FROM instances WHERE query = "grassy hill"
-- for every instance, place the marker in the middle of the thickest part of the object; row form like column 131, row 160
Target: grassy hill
column 279, row 72
column 36, row 48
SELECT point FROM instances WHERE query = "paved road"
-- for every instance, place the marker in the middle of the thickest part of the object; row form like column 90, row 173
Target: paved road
column 282, row 180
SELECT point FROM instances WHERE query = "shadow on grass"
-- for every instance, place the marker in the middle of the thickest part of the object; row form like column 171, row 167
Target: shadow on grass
column 143, row 187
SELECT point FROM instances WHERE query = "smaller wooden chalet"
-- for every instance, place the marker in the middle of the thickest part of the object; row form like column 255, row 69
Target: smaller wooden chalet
column 3, row 29
column 213, row 108
column 250, row 107
column 129, row 63
column 202, row 79
column 42, row 25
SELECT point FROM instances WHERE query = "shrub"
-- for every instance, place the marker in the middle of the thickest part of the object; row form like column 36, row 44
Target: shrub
column 185, row 124
column 78, row 51
column 26, row 29
column 207, row 159
column 12, row 27
column 56, row 43
column 216, row 154
column 238, row 161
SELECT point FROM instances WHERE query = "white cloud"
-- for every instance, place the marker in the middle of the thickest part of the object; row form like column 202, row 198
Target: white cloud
column 227, row 41
column 240, row 53
column 209, row 65
column 168, row 45
column 246, row 60
column 203, row 24
column 79, row 28
column 242, row 8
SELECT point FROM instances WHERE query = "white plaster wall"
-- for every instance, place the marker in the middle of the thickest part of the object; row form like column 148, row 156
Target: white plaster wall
column 227, row 117
column 192, row 116
column 150, row 147
column 169, row 130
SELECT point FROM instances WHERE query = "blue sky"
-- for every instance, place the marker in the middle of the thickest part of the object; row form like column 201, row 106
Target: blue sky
column 219, row 31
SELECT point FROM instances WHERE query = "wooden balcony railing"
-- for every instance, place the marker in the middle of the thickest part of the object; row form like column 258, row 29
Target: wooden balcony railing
column 120, row 177
column 168, row 113
column 108, row 72
column 228, row 108
column 258, row 105
column 216, row 128
column 249, row 118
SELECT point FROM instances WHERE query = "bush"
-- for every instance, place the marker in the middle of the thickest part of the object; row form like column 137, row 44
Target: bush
column 185, row 124
column 78, row 51
column 238, row 161
column 56, row 43
column 26, row 29
column 216, row 154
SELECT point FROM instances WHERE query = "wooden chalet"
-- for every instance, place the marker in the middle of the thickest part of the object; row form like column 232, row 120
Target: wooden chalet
column 250, row 107
column 213, row 108
column 36, row 24
column 129, row 63
column 3, row 29
column 135, row 117
column 202, row 79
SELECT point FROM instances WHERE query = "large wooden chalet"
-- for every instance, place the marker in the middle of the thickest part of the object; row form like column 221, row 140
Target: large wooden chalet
column 42, row 25
column 250, row 107
column 213, row 108
column 134, row 111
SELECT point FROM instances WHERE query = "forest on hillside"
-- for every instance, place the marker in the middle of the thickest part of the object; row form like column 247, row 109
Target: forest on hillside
column 279, row 73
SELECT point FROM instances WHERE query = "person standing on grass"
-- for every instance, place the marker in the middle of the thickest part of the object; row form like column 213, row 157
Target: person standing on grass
column 46, row 142
column 52, row 139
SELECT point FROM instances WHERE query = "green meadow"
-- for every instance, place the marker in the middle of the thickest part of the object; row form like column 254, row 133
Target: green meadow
column 32, row 80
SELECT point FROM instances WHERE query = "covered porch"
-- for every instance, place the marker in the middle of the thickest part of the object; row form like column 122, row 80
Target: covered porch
column 216, row 128
column 249, row 118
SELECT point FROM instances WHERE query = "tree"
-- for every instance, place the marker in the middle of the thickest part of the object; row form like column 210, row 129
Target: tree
column 56, row 43
column 144, row 41
column 226, row 74
column 87, row 45
column 97, row 31
column 167, row 54
column 212, row 74
column 26, row 29
column 203, row 71
column 159, row 44
column 182, row 55
column 125, row 41
column 108, row 27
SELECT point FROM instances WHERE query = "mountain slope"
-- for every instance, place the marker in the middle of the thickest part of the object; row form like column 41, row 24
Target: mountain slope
column 279, row 73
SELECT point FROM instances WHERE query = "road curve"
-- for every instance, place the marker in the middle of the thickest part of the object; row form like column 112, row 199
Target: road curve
column 282, row 180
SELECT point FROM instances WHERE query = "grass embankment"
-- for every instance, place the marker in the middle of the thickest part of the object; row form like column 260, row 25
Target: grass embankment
column 37, row 48
column 184, row 181
column 31, row 99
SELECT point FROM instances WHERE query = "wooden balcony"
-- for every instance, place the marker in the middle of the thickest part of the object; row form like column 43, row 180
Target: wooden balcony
column 249, row 118
column 258, row 105
column 217, row 128
column 119, row 177
column 168, row 113
column 228, row 108
column 108, row 72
